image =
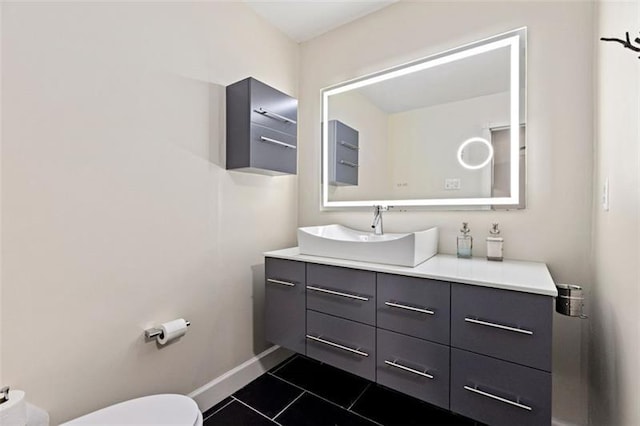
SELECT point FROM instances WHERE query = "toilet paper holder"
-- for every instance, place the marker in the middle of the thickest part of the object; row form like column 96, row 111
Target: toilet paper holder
column 156, row 333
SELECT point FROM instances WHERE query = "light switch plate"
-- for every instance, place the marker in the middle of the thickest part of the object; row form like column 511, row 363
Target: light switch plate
column 605, row 195
column 451, row 184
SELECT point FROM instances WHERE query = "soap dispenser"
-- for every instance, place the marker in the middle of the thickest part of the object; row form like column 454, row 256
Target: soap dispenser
column 494, row 243
column 465, row 242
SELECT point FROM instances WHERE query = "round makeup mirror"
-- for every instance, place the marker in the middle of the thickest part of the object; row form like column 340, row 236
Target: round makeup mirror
column 475, row 153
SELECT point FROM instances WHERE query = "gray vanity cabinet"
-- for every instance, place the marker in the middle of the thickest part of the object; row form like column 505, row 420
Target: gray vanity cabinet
column 501, row 355
column 498, row 392
column 261, row 128
column 504, row 324
column 478, row 351
column 285, row 314
column 342, row 292
column 415, row 306
column 345, row 344
column 413, row 366
column 344, row 147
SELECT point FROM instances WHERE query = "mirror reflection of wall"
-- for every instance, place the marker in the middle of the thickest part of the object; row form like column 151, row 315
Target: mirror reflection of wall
column 411, row 127
column 500, row 139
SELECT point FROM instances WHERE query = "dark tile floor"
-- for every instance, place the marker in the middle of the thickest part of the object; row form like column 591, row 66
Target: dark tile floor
column 301, row 391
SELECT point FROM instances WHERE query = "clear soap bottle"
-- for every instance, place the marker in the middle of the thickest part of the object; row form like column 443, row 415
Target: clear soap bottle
column 494, row 244
column 465, row 242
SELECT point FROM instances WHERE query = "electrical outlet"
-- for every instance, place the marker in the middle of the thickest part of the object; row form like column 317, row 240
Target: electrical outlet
column 605, row 195
column 452, row 184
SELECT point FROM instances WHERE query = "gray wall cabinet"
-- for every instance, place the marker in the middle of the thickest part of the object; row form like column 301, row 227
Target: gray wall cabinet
column 344, row 156
column 481, row 352
column 261, row 129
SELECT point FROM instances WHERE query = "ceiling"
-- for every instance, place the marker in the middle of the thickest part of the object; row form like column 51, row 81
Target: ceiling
column 478, row 75
column 303, row 20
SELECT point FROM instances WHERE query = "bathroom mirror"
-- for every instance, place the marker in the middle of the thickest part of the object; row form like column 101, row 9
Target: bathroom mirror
column 447, row 130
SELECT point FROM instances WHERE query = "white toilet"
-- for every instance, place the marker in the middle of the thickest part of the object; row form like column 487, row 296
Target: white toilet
column 163, row 409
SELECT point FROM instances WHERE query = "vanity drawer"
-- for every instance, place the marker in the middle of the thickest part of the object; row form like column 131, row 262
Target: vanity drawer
column 415, row 306
column 499, row 392
column 285, row 303
column 504, row 324
column 414, row 367
column 342, row 343
column 273, row 150
column 273, row 109
column 343, row 292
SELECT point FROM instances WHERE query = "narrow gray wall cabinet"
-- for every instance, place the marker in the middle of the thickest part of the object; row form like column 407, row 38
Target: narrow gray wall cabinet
column 494, row 366
column 343, row 154
column 261, row 129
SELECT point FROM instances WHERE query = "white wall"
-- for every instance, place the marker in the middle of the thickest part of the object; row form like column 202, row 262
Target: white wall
column 1, row 375
column 117, row 214
column 555, row 227
column 614, row 367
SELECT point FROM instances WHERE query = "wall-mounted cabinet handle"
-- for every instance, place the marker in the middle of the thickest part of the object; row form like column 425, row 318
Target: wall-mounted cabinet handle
column 274, row 115
column 409, row 308
column 349, row 163
column 337, row 345
column 498, row 398
column 277, row 142
column 500, row 326
column 337, row 293
column 408, row 369
column 287, row 283
column 350, row 146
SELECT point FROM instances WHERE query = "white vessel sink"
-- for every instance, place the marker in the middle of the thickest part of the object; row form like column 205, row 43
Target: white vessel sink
column 341, row 242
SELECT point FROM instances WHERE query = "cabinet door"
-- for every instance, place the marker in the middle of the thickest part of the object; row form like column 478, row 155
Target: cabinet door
column 345, row 344
column 285, row 303
column 272, row 108
column 414, row 367
column 504, row 324
column 272, row 150
column 415, row 306
column 498, row 392
column 343, row 292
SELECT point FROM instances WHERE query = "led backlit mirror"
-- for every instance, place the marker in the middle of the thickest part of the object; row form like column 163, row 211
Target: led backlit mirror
column 447, row 130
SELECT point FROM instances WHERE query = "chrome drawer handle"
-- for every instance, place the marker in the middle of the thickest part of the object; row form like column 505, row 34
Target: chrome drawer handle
column 349, row 163
column 500, row 326
column 350, row 146
column 287, row 283
column 498, row 398
column 410, row 370
column 409, row 308
column 337, row 345
column 286, row 145
column 337, row 293
column 274, row 115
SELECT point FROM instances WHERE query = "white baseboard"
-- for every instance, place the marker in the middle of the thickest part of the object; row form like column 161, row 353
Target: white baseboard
column 235, row 379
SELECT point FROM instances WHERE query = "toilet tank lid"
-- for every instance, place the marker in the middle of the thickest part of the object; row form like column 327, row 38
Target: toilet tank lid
column 163, row 409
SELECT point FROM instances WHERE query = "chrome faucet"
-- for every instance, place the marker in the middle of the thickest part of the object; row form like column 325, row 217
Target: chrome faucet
column 377, row 220
column 4, row 394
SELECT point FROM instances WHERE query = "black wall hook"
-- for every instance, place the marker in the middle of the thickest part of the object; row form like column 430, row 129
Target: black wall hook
column 626, row 43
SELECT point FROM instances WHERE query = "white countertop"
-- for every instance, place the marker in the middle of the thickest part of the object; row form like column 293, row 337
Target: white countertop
column 517, row 275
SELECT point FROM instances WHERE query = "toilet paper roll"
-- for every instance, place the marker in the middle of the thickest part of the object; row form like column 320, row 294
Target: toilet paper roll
column 14, row 411
column 172, row 330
